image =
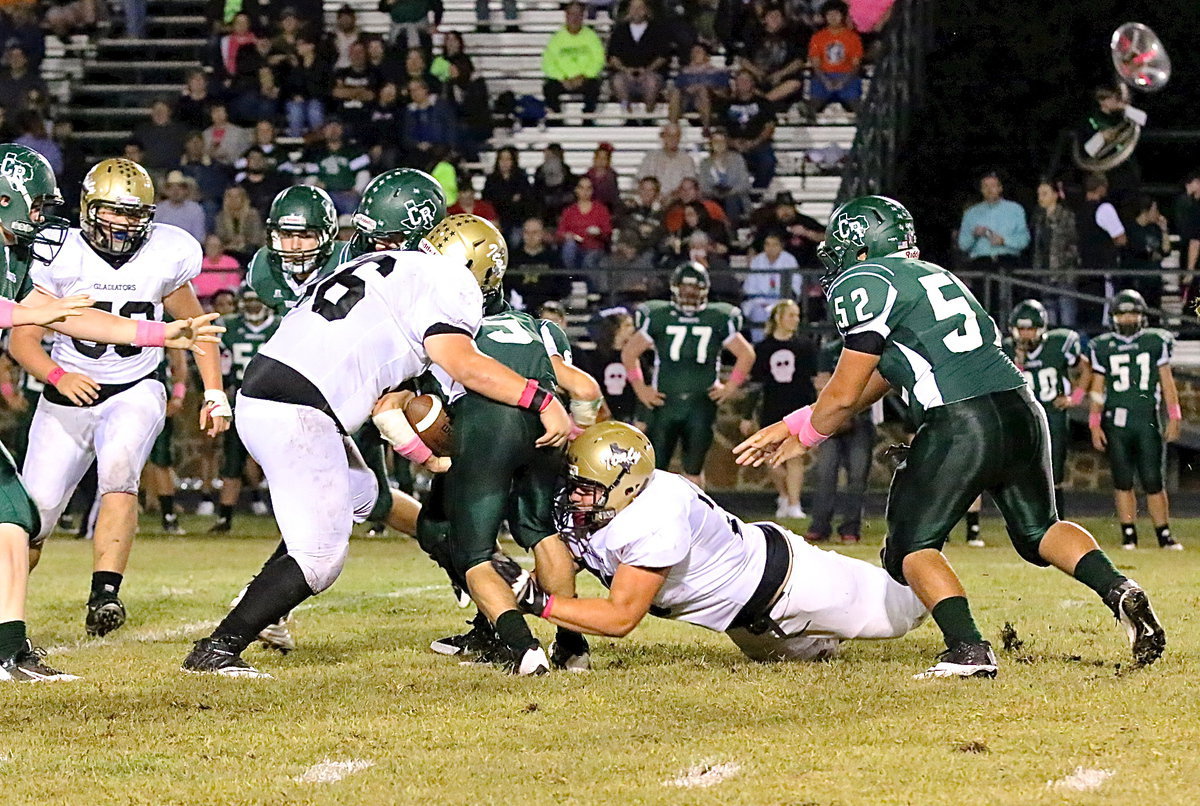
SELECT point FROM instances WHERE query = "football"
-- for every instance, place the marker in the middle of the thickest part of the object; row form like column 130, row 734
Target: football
column 428, row 417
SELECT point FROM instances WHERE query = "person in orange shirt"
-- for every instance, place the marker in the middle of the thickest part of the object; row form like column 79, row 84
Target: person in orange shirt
column 835, row 53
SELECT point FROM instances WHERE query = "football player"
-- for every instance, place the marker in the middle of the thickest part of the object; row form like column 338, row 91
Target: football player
column 376, row 322
column 912, row 324
column 687, row 335
column 27, row 189
column 160, row 472
column 661, row 546
column 103, row 402
column 1055, row 370
column 1132, row 381
column 513, row 478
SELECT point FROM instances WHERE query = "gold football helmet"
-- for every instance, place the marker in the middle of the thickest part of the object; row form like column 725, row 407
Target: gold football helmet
column 116, row 207
column 607, row 466
column 478, row 244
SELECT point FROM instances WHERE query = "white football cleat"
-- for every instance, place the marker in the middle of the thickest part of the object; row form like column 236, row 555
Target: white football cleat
column 796, row 512
column 206, row 508
column 259, row 507
column 534, row 663
column 977, row 543
column 277, row 636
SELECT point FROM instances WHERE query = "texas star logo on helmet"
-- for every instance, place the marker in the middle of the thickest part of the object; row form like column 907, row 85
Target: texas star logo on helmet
column 620, row 457
column 852, row 229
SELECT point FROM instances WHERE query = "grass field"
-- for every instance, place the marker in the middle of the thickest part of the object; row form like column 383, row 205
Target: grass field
column 668, row 700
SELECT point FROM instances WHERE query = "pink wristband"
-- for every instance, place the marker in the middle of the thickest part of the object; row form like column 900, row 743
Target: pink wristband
column 7, row 306
column 799, row 424
column 1094, row 420
column 549, row 605
column 7, row 389
column 635, row 374
column 179, row 391
column 1077, row 396
column 55, row 375
column 575, row 432
column 531, row 387
column 1175, row 412
column 415, row 451
column 737, row 377
column 150, row 334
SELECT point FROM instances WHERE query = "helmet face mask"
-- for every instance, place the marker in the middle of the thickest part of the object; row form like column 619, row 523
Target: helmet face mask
column 301, row 228
column 252, row 307
column 1027, row 323
column 1128, row 310
column 28, row 195
column 398, row 208
column 864, row 228
column 689, row 288
column 116, row 208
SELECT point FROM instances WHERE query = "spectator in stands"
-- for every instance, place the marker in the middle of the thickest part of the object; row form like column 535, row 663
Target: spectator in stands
column 668, row 164
column 416, row 65
column 1149, row 241
column 766, row 280
column 225, row 141
column 355, row 88
column 572, row 63
column 260, row 179
column 696, row 218
column 179, row 208
column 483, row 15
column 191, row 110
column 689, row 193
column 240, row 226
column 584, row 229
column 384, row 62
column 229, row 46
column 604, row 178
column 1056, row 250
column 870, row 16
column 25, row 29
column 428, row 121
column 638, row 56
column 776, row 59
column 468, row 202
column 835, row 53
column 613, row 330
column 18, row 80
column 218, row 270
column 283, row 45
column 993, row 232
column 345, row 33
column 35, row 136
column 443, row 165
column 210, row 176
column 724, row 177
column 1187, row 224
column 382, row 137
column 264, row 139
column 1101, row 238
column 800, row 233
column 507, row 188
column 250, row 60
column 261, row 102
column 468, row 97
column 529, row 266
column 749, row 121
column 553, row 183
column 697, row 86
column 340, row 167
column 162, row 137
column 133, row 150
column 63, row 19
column 410, row 22
column 452, row 45
column 305, row 89
column 641, row 224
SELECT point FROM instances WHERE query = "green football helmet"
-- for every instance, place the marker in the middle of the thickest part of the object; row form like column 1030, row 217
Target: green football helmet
column 864, row 228
column 302, row 211
column 251, row 305
column 689, row 287
column 1128, row 301
column 27, row 190
column 1026, row 314
column 397, row 210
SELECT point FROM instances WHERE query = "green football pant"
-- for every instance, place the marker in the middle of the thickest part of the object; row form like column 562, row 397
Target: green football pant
column 687, row 420
column 1136, row 450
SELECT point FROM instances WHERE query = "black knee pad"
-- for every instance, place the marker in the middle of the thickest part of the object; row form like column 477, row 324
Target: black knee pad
column 893, row 561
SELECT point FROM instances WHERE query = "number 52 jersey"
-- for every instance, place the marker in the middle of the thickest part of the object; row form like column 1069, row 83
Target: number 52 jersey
column 168, row 260
column 939, row 345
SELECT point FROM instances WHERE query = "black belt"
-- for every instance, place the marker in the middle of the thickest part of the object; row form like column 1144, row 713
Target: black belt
column 755, row 614
column 106, row 391
column 268, row 379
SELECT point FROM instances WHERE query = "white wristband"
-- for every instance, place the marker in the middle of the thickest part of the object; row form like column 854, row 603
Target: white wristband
column 393, row 426
column 217, row 403
column 584, row 411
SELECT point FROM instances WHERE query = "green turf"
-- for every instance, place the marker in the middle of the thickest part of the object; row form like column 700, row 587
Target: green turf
column 363, row 686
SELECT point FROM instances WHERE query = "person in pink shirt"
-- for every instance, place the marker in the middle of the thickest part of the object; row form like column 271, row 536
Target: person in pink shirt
column 218, row 270
column 584, row 229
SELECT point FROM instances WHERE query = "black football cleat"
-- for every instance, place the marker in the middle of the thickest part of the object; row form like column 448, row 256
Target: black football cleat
column 104, row 614
column 963, row 660
column 221, row 527
column 571, row 659
column 218, row 656
column 29, row 666
column 481, row 639
column 1131, row 606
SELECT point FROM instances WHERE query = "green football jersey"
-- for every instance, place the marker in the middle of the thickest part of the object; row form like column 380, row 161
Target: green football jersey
column 687, row 347
column 15, row 282
column 278, row 290
column 1047, row 368
column 940, row 345
column 1130, row 365
column 516, row 340
column 240, row 342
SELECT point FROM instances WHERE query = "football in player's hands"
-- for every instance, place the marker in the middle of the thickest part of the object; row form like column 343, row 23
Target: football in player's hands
column 428, row 417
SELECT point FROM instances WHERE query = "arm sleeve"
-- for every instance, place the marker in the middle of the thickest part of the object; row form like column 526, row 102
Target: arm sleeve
column 1109, row 221
column 551, row 67
column 641, row 319
column 733, row 324
column 453, row 301
column 555, row 340
column 1168, row 348
column 189, row 262
column 595, row 51
column 1072, row 350
column 47, row 277
column 863, row 303
column 1097, row 366
column 1018, row 237
column 661, row 542
column 966, row 236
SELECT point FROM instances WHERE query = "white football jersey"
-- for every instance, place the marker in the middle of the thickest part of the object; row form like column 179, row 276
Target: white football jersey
column 168, row 260
column 361, row 331
column 716, row 560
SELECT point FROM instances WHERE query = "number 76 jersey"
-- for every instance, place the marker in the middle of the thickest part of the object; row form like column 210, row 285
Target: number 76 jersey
column 939, row 345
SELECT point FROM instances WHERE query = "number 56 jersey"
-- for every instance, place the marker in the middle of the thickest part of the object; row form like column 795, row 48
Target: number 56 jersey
column 935, row 342
column 168, row 260
column 361, row 331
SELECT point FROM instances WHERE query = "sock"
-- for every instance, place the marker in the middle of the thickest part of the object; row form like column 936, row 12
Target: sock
column 1164, row 534
column 572, row 642
column 106, row 583
column 12, row 638
column 1058, row 502
column 514, row 632
column 1095, row 570
column 166, row 506
column 972, row 526
column 226, row 512
column 256, row 495
column 1128, row 533
column 274, row 593
column 953, row 617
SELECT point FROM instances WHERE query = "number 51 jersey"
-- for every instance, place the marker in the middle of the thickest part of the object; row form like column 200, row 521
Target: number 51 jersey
column 361, row 331
column 939, row 345
column 168, row 260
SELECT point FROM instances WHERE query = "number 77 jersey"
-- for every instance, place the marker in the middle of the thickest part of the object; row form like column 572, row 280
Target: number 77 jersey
column 687, row 346
column 935, row 342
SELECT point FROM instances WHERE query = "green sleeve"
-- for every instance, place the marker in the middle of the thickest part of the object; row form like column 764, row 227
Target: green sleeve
column 735, row 322
column 863, row 302
column 555, row 339
column 1168, row 347
column 1097, row 357
column 641, row 319
column 1072, row 349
